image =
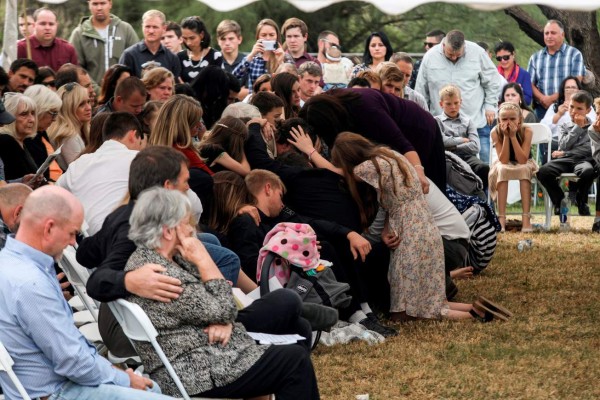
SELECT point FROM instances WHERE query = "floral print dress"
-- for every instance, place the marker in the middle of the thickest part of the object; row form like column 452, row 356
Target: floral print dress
column 416, row 272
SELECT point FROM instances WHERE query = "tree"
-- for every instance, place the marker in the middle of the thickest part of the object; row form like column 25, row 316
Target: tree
column 581, row 31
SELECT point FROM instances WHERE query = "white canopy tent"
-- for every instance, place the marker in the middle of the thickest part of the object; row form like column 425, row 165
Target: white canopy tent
column 9, row 48
column 402, row 6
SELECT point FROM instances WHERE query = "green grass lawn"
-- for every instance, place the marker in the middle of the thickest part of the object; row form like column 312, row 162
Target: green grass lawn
column 548, row 350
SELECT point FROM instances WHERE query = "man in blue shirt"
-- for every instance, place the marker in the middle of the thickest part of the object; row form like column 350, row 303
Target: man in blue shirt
column 51, row 356
column 551, row 65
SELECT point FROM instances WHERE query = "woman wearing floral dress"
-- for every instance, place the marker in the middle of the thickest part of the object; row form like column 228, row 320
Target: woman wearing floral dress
column 416, row 272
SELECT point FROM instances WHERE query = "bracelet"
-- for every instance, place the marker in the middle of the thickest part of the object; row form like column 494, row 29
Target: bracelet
column 311, row 153
column 419, row 165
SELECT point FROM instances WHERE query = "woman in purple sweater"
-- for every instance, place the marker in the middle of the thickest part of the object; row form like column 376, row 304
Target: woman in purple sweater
column 401, row 124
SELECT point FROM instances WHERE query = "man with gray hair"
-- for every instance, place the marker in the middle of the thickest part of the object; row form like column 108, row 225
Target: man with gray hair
column 151, row 49
column 459, row 62
column 309, row 76
column 12, row 198
column 51, row 357
column 405, row 63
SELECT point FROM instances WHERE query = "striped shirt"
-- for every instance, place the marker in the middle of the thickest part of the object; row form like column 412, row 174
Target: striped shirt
column 549, row 70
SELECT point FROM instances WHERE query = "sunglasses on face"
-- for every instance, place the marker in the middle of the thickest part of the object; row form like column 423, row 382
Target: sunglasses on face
column 429, row 44
column 49, row 83
column 505, row 58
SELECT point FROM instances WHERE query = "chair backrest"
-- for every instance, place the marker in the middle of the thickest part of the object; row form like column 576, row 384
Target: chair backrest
column 6, row 363
column 541, row 135
column 78, row 275
column 137, row 326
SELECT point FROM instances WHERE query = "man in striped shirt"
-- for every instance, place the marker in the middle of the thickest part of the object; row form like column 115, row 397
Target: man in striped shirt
column 551, row 65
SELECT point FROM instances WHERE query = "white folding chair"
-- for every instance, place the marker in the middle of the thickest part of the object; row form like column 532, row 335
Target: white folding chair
column 137, row 326
column 542, row 135
column 78, row 275
column 6, row 363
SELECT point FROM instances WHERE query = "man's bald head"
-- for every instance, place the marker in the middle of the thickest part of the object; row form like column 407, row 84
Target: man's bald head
column 12, row 198
column 50, row 220
column 51, row 202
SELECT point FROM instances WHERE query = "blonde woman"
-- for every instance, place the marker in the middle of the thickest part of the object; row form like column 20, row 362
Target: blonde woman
column 160, row 83
column 512, row 141
column 72, row 127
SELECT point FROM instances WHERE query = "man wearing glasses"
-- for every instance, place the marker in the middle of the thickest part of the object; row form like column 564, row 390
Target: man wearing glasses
column 326, row 40
column 431, row 39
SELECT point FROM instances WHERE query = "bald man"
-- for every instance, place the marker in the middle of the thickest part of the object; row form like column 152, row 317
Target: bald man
column 12, row 198
column 36, row 323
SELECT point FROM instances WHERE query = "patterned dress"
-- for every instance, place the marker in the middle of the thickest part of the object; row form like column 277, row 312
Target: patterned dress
column 416, row 272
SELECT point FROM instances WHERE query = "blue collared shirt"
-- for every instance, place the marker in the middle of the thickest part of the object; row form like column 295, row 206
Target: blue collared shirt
column 37, row 328
column 549, row 70
column 251, row 70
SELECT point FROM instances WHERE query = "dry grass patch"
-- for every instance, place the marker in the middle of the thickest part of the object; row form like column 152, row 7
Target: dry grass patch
column 549, row 350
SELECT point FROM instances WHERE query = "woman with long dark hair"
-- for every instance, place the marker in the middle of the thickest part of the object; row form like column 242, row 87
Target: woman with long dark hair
column 112, row 77
column 377, row 49
column 212, row 90
column 513, row 72
column 287, row 88
column 513, row 93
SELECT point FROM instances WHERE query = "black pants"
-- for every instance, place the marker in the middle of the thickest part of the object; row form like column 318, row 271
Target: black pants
column 583, row 168
column 480, row 168
column 455, row 253
column 278, row 313
column 285, row 371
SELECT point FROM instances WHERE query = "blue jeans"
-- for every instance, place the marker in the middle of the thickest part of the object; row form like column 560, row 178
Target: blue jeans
column 484, row 140
column 227, row 261
column 73, row 391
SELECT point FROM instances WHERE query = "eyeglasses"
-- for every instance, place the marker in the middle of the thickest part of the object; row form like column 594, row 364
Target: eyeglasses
column 332, row 43
column 429, row 44
column 505, row 58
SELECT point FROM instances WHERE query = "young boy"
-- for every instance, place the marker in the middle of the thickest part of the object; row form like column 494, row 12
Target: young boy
column 392, row 79
column 594, row 132
column 171, row 39
column 574, row 154
column 459, row 132
column 229, row 37
column 271, row 109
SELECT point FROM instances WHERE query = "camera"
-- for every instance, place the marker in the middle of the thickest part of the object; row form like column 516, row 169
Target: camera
column 269, row 45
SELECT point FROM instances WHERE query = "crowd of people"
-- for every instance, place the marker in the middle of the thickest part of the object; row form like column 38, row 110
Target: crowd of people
column 178, row 159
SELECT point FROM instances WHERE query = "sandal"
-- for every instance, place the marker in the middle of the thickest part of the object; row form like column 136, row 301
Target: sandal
column 503, row 225
column 495, row 307
column 530, row 229
column 478, row 305
column 487, row 316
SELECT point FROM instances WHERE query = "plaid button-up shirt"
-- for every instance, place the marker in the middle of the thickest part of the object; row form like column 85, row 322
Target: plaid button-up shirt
column 549, row 70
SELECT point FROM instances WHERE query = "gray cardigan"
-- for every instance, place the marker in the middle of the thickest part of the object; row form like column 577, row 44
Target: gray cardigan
column 199, row 365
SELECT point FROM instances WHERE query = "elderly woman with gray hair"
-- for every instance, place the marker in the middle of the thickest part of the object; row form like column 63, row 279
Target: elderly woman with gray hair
column 212, row 355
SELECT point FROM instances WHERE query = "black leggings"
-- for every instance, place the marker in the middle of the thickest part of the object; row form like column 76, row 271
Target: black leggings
column 285, row 371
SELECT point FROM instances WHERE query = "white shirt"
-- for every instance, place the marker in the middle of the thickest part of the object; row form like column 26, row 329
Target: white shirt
column 100, row 181
column 448, row 219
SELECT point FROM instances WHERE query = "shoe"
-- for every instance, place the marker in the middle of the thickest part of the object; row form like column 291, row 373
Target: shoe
column 487, row 316
column 495, row 307
column 376, row 326
column 584, row 209
column 596, row 227
column 321, row 318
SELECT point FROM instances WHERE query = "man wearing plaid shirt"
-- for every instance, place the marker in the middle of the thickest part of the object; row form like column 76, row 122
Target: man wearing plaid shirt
column 551, row 65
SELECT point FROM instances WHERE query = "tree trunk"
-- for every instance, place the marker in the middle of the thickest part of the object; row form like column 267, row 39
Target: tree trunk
column 581, row 31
